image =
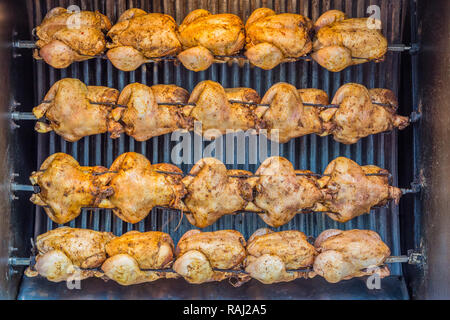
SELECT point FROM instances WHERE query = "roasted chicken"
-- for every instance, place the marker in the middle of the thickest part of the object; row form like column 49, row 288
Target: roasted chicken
column 204, row 35
column 137, row 187
column 287, row 117
column 212, row 193
column 270, row 257
column 350, row 190
column 347, row 254
column 342, row 42
column 132, row 187
column 270, row 254
column 75, row 110
column 143, row 118
column 66, row 37
column 199, row 253
column 275, row 38
column 133, row 252
column 65, row 254
column 279, row 193
column 68, row 108
column 139, row 36
column 216, row 113
column 358, row 116
column 66, row 187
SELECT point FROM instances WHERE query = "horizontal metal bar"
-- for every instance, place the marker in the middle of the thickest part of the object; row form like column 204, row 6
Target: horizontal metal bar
column 24, row 44
column 23, row 116
column 29, row 44
column 23, row 187
column 14, row 261
column 399, row 47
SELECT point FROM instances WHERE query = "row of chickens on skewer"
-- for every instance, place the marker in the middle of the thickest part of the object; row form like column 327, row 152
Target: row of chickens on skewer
column 132, row 187
column 74, row 110
column 267, row 38
column 67, row 254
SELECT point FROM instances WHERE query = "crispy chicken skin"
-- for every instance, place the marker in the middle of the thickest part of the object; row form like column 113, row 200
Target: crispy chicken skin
column 275, row 38
column 143, row 118
column 358, row 117
column 66, row 187
column 66, row 37
column 138, row 36
column 347, row 254
column 280, row 193
column 64, row 253
column 68, row 108
column 287, row 117
column 270, row 254
column 212, row 193
column 198, row 253
column 133, row 252
column 137, row 187
column 151, row 250
column 349, row 192
column 215, row 112
column 204, row 35
column 342, row 42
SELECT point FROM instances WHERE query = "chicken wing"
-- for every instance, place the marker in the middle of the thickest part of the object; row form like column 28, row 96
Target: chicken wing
column 216, row 113
column 280, row 193
column 65, row 252
column 342, row 42
column 357, row 115
column 347, row 254
column 275, row 38
column 349, row 190
column 138, row 187
column 287, row 117
column 270, row 254
column 66, row 37
column 139, row 36
column 68, row 108
column 205, row 35
column 66, row 187
column 212, row 193
column 198, row 253
column 143, row 118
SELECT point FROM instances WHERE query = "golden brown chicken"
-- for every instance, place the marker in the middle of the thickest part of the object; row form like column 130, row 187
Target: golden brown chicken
column 133, row 252
column 65, row 253
column 286, row 117
column 199, row 253
column 349, row 189
column 68, row 108
column 139, row 36
column 357, row 115
column 66, row 187
column 205, row 35
column 280, row 193
column 137, row 187
column 143, row 118
column 212, row 193
column 275, row 38
column 216, row 113
column 270, row 254
column 66, row 37
column 347, row 254
column 342, row 42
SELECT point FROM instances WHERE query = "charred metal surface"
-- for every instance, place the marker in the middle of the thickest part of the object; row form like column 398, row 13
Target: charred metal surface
column 434, row 75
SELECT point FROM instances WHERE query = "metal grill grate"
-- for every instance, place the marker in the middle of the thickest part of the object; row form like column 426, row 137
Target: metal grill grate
column 309, row 152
